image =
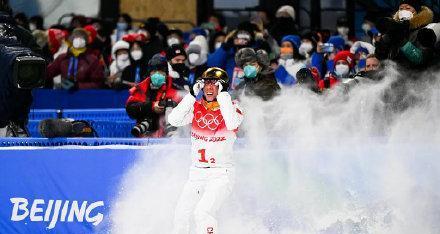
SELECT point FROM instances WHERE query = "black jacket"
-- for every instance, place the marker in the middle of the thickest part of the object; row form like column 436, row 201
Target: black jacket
column 264, row 85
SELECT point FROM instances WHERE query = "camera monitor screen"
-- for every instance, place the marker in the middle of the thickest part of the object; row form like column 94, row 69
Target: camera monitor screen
column 29, row 72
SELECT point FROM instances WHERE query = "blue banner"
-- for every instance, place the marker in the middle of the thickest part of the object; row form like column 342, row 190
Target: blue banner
column 60, row 190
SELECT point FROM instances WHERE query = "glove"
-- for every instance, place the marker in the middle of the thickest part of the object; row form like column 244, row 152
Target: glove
column 197, row 87
column 219, row 85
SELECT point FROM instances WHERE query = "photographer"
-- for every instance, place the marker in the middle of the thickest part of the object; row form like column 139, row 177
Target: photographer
column 21, row 69
column 152, row 99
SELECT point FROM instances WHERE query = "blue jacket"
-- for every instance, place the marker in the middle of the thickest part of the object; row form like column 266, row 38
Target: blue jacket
column 223, row 58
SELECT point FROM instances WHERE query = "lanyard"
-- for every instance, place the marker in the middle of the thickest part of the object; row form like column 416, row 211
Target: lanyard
column 73, row 63
column 191, row 78
column 137, row 78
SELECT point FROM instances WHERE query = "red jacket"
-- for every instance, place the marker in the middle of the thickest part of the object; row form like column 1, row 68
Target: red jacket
column 89, row 73
column 140, row 92
column 328, row 82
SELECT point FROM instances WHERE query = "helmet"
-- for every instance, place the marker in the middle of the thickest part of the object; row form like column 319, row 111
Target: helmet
column 216, row 73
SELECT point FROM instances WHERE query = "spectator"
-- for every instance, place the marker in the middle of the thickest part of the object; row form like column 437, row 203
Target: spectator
column 148, row 100
column 343, row 68
column 153, row 44
column 284, row 23
column 322, row 59
column 403, row 39
column 57, row 42
column 121, row 60
column 361, row 50
column 290, row 61
column 372, row 63
column 78, row 69
column 22, row 20
column 175, row 37
column 177, row 69
column 259, row 78
column 137, row 70
column 343, row 30
column 224, row 57
column 308, row 45
column 123, row 27
column 197, row 52
column 216, row 41
column 36, row 23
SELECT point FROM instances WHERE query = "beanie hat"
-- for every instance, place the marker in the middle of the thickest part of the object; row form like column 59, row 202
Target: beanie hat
column 346, row 56
column 158, row 63
column 91, row 30
column 174, row 51
column 245, row 55
column 248, row 27
column 414, row 3
column 287, row 9
column 120, row 45
column 55, row 38
column 337, row 41
column 134, row 37
column 295, row 40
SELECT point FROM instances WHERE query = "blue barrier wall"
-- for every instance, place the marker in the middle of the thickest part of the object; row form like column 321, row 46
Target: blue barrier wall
column 87, row 98
column 48, row 190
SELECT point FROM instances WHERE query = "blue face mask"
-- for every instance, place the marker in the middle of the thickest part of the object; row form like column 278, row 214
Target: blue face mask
column 157, row 79
column 250, row 71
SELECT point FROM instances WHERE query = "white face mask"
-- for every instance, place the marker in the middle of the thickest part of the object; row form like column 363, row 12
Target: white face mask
column 305, row 48
column 343, row 31
column 342, row 70
column 366, row 27
column 405, row 15
column 172, row 41
column 122, row 61
column 193, row 58
column 217, row 45
column 78, row 42
column 136, row 54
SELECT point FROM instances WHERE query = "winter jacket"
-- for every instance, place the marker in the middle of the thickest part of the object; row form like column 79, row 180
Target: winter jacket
column 400, row 41
column 223, row 57
column 286, row 71
column 264, row 85
column 89, row 71
column 135, row 73
column 143, row 98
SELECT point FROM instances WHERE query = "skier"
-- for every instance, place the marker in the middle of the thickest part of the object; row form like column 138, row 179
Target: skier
column 215, row 119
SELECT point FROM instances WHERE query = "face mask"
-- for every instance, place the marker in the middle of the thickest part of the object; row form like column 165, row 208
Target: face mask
column 305, row 48
column 122, row 61
column 405, row 15
column 286, row 50
column 179, row 68
column 32, row 27
column 78, row 43
column 342, row 70
column 193, row 58
column 366, row 27
column 136, row 54
column 157, row 79
column 172, row 41
column 250, row 71
column 121, row 26
column 343, row 31
column 217, row 45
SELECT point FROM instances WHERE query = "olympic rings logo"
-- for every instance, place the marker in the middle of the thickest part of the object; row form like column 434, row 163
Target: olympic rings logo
column 208, row 121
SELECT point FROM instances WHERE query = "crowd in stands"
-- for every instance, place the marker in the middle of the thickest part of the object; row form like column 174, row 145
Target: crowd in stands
column 261, row 55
